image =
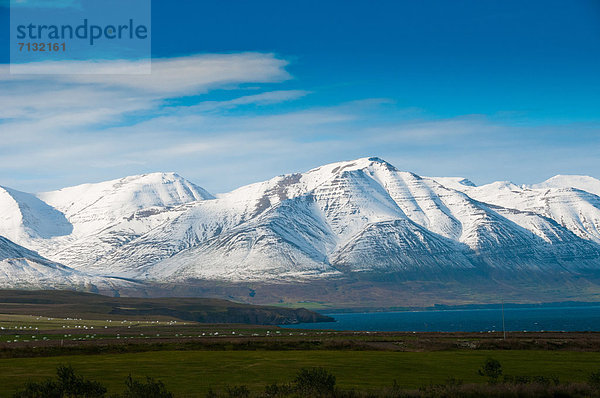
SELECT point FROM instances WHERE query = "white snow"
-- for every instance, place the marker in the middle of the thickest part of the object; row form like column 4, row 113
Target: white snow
column 21, row 268
column 584, row 183
column 362, row 215
column 24, row 217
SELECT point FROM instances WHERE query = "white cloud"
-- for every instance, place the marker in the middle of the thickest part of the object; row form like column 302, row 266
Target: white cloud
column 169, row 76
column 32, row 105
column 266, row 98
column 66, row 124
column 41, row 3
column 67, row 129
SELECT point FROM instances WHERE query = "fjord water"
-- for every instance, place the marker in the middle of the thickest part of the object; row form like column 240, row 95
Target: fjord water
column 567, row 318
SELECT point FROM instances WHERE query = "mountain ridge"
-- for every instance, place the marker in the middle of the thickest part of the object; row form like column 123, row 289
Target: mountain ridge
column 357, row 217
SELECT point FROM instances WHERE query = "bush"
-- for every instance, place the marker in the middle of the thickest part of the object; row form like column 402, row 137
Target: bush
column 278, row 390
column 314, row 381
column 238, row 392
column 66, row 384
column 541, row 380
column 491, row 369
column 594, row 379
column 44, row 389
column 211, row 393
column 149, row 389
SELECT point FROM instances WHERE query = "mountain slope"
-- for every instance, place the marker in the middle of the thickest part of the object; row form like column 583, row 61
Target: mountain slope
column 92, row 206
column 360, row 218
column 584, row 183
column 24, row 217
column 363, row 215
column 21, row 268
column 91, row 220
column 572, row 208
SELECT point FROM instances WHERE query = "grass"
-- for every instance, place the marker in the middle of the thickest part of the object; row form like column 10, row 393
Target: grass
column 65, row 304
column 28, row 322
column 191, row 373
column 191, row 357
column 32, row 329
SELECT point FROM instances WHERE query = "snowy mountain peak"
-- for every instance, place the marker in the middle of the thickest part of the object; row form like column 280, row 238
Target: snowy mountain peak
column 379, row 161
column 124, row 196
column 289, row 186
column 457, row 183
column 156, row 178
column 23, row 216
column 348, row 165
column 584, row 183
column 502, row 185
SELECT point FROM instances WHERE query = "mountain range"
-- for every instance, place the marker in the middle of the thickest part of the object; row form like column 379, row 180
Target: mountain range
column 360, row 220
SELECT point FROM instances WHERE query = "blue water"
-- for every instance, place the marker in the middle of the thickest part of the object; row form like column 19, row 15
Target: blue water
column 467, row 320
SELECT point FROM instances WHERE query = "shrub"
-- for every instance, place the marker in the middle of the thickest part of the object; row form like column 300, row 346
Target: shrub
column 278, row 390
column 211, row 393
column 238, row 392
column 314, row 381
column 491, row 369
column 594, row 379
column 44, row 389
column 541, row 380
column 149, row 389
column 67, row 383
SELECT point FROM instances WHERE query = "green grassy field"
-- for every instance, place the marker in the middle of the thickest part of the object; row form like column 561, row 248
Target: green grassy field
column 191, row 373
column 17, row 322
column 192, row 357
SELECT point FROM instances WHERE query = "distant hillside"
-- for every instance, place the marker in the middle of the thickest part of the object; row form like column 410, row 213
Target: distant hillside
column 63, row 304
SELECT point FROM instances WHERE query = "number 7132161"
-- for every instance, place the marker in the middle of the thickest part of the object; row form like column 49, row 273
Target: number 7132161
column 42, row 47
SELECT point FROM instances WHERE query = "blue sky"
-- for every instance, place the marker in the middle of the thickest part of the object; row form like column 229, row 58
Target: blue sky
column 483, row 89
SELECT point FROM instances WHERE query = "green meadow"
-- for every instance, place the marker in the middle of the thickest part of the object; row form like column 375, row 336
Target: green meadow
column 192, row 373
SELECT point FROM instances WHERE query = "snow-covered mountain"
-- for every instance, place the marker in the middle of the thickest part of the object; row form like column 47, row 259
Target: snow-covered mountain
column 584, row 183
column 573, row 208
column 106, row 215
column 21, row 268
column 25, row 217
column 361, row 217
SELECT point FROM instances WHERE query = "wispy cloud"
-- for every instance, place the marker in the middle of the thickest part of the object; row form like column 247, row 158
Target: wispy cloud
column 217, row 120
column 32, row 105
column 266, row 98
column 41, row 3
column 183, row 75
